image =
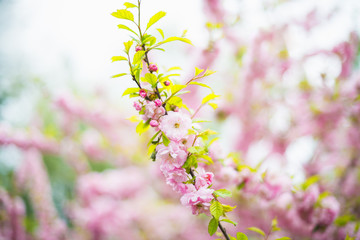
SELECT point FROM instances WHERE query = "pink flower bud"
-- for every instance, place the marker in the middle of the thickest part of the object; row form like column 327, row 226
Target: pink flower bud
column 154, row 123
column 158, row 102
column 142, row 93
column 138, row 48
column 137, row 106
column 167, row 83
column 153, row 68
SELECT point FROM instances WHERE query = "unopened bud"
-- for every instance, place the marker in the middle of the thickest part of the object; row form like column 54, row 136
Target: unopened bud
column 138, row 48
column 154, row 123
column 158, row 102
column 142, row 93
column 167, row 83
column 153, row 68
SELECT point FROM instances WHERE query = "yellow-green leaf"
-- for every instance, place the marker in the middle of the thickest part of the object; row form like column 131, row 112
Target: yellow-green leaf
column 123, row 14
column 155, row 18
column 216, row 209
column 257, row 230
column 198, row 71
column 150, row 78
column 171, row 39
column 119, row 75
column 213, row 105
column 209, row 97
column 128, row 45
column 131, row 90
column 200, row 84
column 138, row 57
column 118, row 58
column 213, row 225
column 161, row 32
column 121, row 26
column 129, row 5
column 241, row 236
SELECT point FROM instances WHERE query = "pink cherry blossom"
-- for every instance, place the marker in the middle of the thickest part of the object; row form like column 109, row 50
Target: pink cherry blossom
column 175, row 125
column 171, row 156
column 199, row 200
column 203, row 179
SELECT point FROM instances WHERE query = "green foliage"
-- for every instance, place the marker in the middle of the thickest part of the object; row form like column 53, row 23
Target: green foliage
column 216, row 209
column 129, row 5
column 209, row 97
column 310, row 181
column 344, row 219
column 128, row 45
column 118, row 75
column 228, row 208
column 213, row 225
column 123, row 14
column 284, row 238
column 121, row 26
column 257, row 230
column 150, row 78
column 241, row 236
column 201, row 84
column 224, row 193
column 118, row 58
column 131, row 90
column 229, row 221
column 142, row 127
column 165, row 139
column 155, row 18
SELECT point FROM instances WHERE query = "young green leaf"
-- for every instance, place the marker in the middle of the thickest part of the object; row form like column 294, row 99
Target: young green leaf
column 150, row 78
column 241, row 236
column 155, row 18
column 165, row 139
column 119, row 75
column 228, row 208
column 257, row 230
column 128, row 45
column 138, row 56
column 209, row 97
column 284, row 238
column 121, row 26
column 118, row 58
column 161, row 32
column 229, row 221
column 213, row 105
column 142, row 127
column 208, row 72
column 200, row 84
column 216, row 209
column 131, row 90
column 171, row 39
column 123, row 14
column 198, row 71
column 213, row 225
column 224, row 193
column 129, row 5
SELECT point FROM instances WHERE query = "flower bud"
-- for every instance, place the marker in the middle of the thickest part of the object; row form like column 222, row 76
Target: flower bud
column 153, row 68
column 138, row 48
column 167, row 83
column 154, row 123
column 142, row 93
column 158, row 102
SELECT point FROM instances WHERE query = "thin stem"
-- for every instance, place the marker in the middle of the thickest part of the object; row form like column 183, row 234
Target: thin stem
column 223, row 230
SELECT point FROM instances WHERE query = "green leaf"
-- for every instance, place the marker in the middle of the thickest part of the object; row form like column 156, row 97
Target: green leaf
column 155, row 18
column 224, row 193
column 196, row 150
column 284, row 238
column 257, row 230
column 174, row 68
column 228, row 208
column 119, row 75
column 200, row 84
column 207, row 158
column 129, row 5
column 213, row 105
column 208, row 72
column 349, row 238
column 118, row 58
column 142, row 127
column 344, row 219
column 123, row 14
column 171, row 39
column 128, row 45
column 216, row 209
column 150, row 78
column 153, row 137
column 241, row 236
column 310, row 181
column 165, row 139
column 138, row 56
column 161, row 32
column 177, row 87
column 131, row 90
column 209, row 97
column 213, row 225
column 198, row 71
column 121, row 26
column 229, row 221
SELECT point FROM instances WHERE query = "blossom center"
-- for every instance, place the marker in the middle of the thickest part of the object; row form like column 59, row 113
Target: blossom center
column 176, row 125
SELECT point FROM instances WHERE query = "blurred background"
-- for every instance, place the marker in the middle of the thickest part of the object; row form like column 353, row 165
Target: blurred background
column 287, row 71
